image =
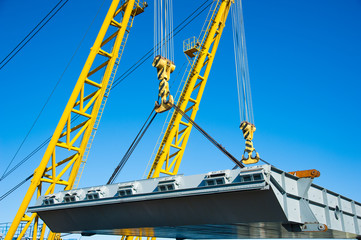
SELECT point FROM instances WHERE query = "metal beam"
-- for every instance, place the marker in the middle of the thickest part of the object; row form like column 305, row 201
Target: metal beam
column 252, row 202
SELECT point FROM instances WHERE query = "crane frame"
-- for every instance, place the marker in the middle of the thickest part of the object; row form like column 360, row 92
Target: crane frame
column 86, row 103
column 90, row 107
column 175, row 139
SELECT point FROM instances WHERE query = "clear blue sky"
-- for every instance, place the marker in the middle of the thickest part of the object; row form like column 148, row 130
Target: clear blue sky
column 304, row 59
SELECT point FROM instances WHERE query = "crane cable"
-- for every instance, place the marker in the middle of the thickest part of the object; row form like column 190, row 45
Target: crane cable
column 163, row 29
column 10, row 56
column 6, row 172
column 2, row 197
column 190, row 18
column 46, row 102
column 214, row 142
column 244, row 91
column 120, row 79
column 131, row 148
column 43, row 144
column 241, row 62
column 117, row 169
column 175, row 32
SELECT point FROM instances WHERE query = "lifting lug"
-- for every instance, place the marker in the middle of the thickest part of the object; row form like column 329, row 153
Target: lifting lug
column 248, row 129
column 312, row 173
column 164, row 68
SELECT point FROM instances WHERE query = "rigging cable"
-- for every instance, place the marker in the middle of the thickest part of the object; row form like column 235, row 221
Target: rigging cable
column 214, row 142
column 132, row 147
column 241, row 62
column 31, row 37
column 16, row 187
column 31, row 31
column 6, row 172
column 149, row 54
column 190, row 18
column 163, row 28
column 43, row 144
column 135, row 143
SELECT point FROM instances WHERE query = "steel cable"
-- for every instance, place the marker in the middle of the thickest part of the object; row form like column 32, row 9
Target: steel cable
column 121, row 78
column 31, row 31
column 6, row 172
column 149, row 54
column 16, row 187
column 212, row 140
column 130, row 150
column 17, row 51
column 241, row 63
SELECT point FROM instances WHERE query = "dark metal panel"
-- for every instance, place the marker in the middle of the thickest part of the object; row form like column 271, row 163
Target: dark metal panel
column 219, row 208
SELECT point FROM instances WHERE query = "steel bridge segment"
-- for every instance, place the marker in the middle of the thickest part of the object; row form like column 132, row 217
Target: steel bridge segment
column 253, row 202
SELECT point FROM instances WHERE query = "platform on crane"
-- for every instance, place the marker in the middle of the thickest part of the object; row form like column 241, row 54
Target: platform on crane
column 252, row 202
column 191, row 47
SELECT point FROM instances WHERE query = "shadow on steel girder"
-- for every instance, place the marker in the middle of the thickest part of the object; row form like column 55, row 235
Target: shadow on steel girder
column 252, row 202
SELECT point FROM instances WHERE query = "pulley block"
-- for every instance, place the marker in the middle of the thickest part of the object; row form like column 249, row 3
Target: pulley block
column 164, row 68
column 250, row 155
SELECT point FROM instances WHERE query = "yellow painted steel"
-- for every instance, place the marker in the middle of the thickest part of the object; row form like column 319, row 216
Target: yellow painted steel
column 60, row 163
column 175, row 139
column 164, row 68
column 248, row 129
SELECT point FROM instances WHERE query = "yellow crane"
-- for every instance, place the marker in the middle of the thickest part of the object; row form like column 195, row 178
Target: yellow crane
column 89, row 97
column 69, row 144
column 202, row 51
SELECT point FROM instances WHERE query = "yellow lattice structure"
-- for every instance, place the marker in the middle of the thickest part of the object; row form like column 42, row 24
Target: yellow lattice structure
column 60, row 164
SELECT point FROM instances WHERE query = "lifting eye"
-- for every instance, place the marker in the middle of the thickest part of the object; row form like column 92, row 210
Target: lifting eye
column 251, row 177
column 166, row 187
column 93, row 194
column 125, row 191
column 69, row 198
column 215, row 181
column 48, row 201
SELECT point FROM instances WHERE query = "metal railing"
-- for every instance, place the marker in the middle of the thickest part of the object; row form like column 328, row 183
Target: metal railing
column 4, row 227
column 190, row 43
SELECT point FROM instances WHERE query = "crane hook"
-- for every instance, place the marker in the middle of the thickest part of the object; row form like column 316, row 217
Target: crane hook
column 250, row 155
column 164, row 68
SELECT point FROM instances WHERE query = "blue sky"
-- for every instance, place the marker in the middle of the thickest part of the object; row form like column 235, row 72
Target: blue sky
column 304, row 59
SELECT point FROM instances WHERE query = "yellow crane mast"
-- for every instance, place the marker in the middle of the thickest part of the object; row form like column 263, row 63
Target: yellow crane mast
column 64, row 155
column 177, row 133
column 171, row 149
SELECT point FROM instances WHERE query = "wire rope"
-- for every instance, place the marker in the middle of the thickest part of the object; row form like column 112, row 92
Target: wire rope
column 163, row 28
column 241, row 62
column 168, row 114
column 43, row 144
column 131, row 148
column 148, row 55
column 17, row 51
column 214, row 142
column 46, row 102
column 190, row 18
column 31, row 31
column 2, row 197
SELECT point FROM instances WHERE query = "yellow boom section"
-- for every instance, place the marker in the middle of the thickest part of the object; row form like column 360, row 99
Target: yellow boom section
column 63, row 157
column 175, row 139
